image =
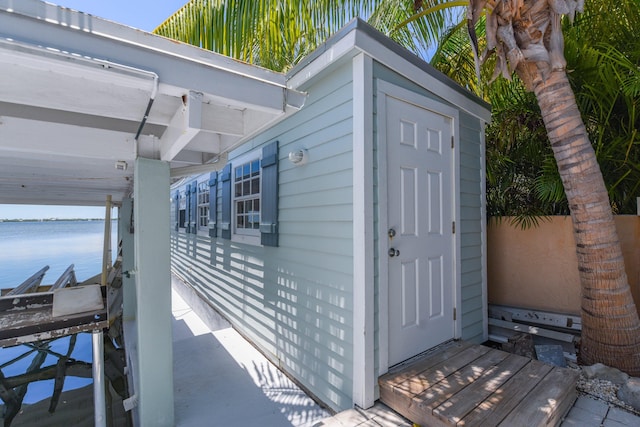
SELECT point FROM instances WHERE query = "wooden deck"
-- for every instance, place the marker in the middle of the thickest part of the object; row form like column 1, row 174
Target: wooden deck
column 471, row 385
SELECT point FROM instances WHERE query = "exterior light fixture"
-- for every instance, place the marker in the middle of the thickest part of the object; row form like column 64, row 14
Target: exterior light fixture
column 299, row 157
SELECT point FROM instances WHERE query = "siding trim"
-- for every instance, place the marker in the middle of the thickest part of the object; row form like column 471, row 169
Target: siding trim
column 483, row 230
column 385, row 89
column 364, row 378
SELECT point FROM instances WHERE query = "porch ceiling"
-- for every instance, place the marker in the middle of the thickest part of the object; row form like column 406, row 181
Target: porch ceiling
column 75, row 90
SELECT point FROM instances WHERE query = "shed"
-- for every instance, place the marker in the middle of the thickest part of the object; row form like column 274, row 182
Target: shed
column 349, row 236
column 91, row 111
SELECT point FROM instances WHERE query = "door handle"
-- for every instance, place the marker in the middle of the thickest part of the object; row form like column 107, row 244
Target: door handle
column 393, row 252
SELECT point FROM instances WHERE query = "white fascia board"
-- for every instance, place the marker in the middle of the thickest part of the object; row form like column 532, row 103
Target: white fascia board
column 84, row 22
column 35, row 76
column 24, row 55
column 358, row 40
column 178, row 65
column 401, row 66
column 335, row 52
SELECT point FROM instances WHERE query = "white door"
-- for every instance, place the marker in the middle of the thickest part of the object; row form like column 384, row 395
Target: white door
column 420, row 257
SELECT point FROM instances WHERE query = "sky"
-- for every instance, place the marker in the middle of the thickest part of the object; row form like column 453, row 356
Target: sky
column 143, row 14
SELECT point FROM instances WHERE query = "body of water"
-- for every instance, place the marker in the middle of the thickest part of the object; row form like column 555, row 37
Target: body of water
column 26, row 247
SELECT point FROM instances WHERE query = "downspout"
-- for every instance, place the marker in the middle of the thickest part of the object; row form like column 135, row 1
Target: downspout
column 152, row 97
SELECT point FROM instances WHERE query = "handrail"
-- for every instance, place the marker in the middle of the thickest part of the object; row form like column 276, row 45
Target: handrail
column 31, row 282
column 68, row 277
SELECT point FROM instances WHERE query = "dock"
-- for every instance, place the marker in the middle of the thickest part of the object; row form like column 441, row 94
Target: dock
column 463, row 384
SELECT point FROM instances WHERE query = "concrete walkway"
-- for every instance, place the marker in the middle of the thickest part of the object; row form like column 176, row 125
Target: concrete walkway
column 222, row 380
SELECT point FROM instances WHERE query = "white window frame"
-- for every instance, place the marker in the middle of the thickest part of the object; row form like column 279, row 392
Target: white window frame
column 202, row 207
column 244, row 235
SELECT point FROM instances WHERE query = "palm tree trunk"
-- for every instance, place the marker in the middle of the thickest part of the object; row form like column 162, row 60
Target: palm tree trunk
column 610, row 323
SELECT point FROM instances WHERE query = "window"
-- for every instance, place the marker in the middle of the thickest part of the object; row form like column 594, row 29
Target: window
column 246, row 198
column 249, row 200
column 182, row 209
column 203, row 205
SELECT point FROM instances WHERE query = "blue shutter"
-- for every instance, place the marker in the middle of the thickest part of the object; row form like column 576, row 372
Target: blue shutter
column 225, row 221
column 213, row 198
column 177, row 209
column 194, row 207
column 269, row 194
column 187, row 209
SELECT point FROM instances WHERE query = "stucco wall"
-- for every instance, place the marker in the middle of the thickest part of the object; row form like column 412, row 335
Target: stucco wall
column 537, row 268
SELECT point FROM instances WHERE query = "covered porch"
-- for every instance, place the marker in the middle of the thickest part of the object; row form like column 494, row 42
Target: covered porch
column 91, row 110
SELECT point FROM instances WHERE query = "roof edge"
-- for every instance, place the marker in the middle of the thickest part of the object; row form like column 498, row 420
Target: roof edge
column 361, row 26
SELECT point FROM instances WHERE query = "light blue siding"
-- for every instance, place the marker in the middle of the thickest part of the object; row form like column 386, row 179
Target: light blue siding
column 472, row 249
column 295, row 301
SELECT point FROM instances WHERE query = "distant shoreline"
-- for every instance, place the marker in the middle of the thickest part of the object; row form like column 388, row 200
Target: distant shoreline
column 54, row 219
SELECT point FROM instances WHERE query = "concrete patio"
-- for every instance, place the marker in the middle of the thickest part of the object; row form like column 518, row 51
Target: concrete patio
column 221, row 380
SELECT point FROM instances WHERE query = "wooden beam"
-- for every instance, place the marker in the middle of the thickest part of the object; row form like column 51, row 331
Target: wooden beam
column 184, row 126
column 222, row 119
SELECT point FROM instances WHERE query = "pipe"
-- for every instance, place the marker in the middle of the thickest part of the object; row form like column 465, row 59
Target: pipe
column 97, row 367
column 106, row 244
column 152, row 98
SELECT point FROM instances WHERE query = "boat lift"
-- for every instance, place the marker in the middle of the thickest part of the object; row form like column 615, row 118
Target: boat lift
column 64, row 309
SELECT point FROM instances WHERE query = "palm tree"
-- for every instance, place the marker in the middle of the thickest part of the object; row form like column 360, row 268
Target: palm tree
column 276, row 34
column 526, row 37
column 522, row 177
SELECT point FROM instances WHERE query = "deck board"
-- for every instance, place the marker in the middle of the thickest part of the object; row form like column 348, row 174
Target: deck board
column 467, row 385
column 440, row 370
column 502, row 401
column 459, row 405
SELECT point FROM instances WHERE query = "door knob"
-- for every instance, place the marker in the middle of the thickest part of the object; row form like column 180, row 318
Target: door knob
column 393, row 252
column 391, row 233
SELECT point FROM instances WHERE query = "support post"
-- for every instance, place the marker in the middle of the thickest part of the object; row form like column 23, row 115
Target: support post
column 97, row 367
column 125, row 230
column 153, row 374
